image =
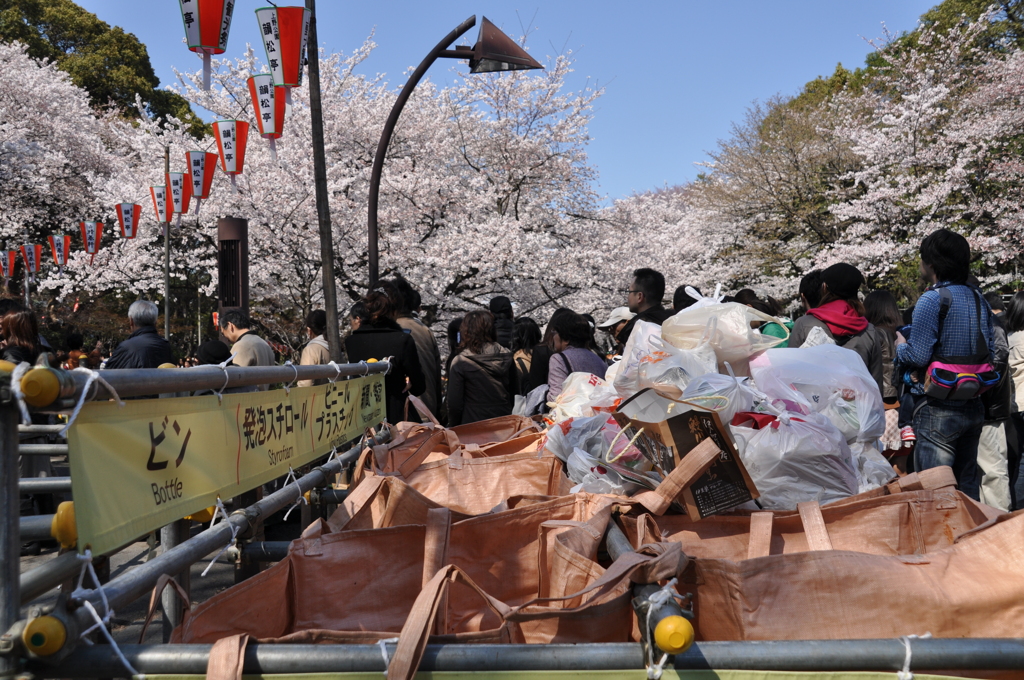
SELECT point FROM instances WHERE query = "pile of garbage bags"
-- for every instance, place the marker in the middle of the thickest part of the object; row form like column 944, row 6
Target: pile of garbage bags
column 805, row 422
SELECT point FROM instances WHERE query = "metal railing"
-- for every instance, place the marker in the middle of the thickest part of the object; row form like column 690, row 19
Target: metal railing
column 17, row 588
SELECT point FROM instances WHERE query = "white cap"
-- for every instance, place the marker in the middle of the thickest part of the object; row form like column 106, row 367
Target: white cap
column 619, row 314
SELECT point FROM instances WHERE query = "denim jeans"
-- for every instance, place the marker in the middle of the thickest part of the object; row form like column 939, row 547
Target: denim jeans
column 947, row 434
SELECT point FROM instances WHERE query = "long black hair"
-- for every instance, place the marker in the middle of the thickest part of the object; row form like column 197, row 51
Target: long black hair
column 880, row 309
column 1015, row 314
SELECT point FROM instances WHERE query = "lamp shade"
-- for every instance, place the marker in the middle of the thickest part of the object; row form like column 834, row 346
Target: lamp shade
column 201, row 165
column 92, row 233
column 284, row 31
column 10, row 257
column 128, row 218
column 207, row 24
column 32, row 254
column 160, row 205
column 231, row 136
column 59, row 246
column 268, row 105
column 179, row 192
column 495, row 51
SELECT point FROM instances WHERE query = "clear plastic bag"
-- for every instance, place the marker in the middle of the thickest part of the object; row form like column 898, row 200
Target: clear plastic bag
column 592, row 475
column 732, row 337
column 626, row 372
column 873, row 470
column 583, row 394
column 725, row 394
column 806, row 380
column 668, row 369
column 795, row 458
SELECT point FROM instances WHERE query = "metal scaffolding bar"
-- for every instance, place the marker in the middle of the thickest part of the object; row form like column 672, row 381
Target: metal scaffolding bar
column 266, row 551
column 34, row 528
column 44, row 485
column 137, row 382
column 791, row 655
column 140, row 580
column 48, row 576
column 26, row 431
column 43, row 450
column 10, row 537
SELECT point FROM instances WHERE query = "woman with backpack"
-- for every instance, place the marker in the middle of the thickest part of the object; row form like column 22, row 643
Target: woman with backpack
column 482, row 380
column 570, row 337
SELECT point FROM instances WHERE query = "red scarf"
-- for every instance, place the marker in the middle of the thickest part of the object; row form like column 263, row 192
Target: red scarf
column 841, row 318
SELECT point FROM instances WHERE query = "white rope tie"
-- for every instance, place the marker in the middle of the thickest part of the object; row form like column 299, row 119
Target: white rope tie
column 93, row 376
column 16, row 376
column 905, row 674
column 287, row 388
column 667, row 593
column 337, row 372
column 334, row 453
column 100, row 622
column 221, row 510
column 366, row 368
column 301, row 499
column 224, row 367
column 384, row 652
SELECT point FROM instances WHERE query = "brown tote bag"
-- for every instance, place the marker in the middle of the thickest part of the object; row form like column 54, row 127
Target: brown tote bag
column 972, row 588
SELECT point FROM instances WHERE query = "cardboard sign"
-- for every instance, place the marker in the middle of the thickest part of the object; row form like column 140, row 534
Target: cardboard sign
column 671, row 430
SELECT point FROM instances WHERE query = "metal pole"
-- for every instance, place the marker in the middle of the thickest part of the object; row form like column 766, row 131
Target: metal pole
column 34, row 528
column 43, row 450
column 167, row 252
column 385, row 141
column 323, row 208
column 48, row 576
column 172, row 535
column 45, row 485
column 789, row 655
column 136, row 382
column 10, row 535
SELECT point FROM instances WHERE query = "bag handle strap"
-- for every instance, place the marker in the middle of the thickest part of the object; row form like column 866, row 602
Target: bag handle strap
column 435, row 544
column 412, row 641
column 814, row 526
column 154, row 598
column 685, row 473
column 363, row 493
column 227, row 657
column 760, row 541
column 409, row 465
column 421, row 408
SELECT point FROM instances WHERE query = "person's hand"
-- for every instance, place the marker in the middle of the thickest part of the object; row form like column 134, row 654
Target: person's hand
column 900, row 340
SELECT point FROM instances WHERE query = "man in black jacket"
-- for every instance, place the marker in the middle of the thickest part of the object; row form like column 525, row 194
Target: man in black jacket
column 644, row 299
column 143, row 348
column 992, row 446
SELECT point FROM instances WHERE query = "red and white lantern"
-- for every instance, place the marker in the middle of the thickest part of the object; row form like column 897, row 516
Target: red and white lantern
column 285, row 31
column 128, row 217
column 207, row 23
column 179, row 193
column 160, row 204
column 92, row 234
column 268, row 105
column 59, row 246
column 231, row 138
column 32, row 254
column 7, row 264
column 201, row 165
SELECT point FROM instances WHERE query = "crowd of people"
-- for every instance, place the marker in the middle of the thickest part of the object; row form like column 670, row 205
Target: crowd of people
column 917, row 357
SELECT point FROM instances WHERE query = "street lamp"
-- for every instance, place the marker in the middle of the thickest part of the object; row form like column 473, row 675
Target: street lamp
column 494, row 51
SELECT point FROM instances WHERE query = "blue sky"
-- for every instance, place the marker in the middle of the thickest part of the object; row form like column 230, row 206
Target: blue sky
column 677, row 73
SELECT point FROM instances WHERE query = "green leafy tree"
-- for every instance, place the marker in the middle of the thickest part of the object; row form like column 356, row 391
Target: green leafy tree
column 111, row 65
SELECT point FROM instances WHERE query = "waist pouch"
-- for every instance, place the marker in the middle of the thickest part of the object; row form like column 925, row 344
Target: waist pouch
column 958, row 382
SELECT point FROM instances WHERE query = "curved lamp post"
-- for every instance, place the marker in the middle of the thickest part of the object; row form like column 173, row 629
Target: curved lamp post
column 494, row 51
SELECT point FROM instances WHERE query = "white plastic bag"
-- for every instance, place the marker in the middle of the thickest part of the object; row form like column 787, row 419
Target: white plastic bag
column 795, row 458
column 807, row 378
column 818, row 336
column 638, row 346
column 702, row 301
column 593, row 476
column 724, row 394
column 873, row 470
column 668, row 369
column 732, row 337
column 583, row 394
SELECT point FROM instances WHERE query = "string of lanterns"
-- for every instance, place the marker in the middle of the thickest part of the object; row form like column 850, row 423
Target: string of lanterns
column 285, row 33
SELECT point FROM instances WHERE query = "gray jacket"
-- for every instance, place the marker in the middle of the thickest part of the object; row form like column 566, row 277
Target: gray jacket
column 868, row 344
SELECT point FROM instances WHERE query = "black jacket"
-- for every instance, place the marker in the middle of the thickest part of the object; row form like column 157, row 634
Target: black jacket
column 539, row 365
column 143, row 349
column 656, row 315
column 505, row 330
column 998, row 399
column 383, row 340
column 481, row 385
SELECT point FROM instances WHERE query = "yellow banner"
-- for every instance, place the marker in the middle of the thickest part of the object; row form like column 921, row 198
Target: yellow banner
column 138, row 467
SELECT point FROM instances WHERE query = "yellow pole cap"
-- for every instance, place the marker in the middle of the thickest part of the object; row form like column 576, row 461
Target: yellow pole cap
column 204, row 515
column 44, row 635
column 167, row 365
column 673, row 634
column 7, row 366
column 63, row 527
column 40, row 387
column 371, row 361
